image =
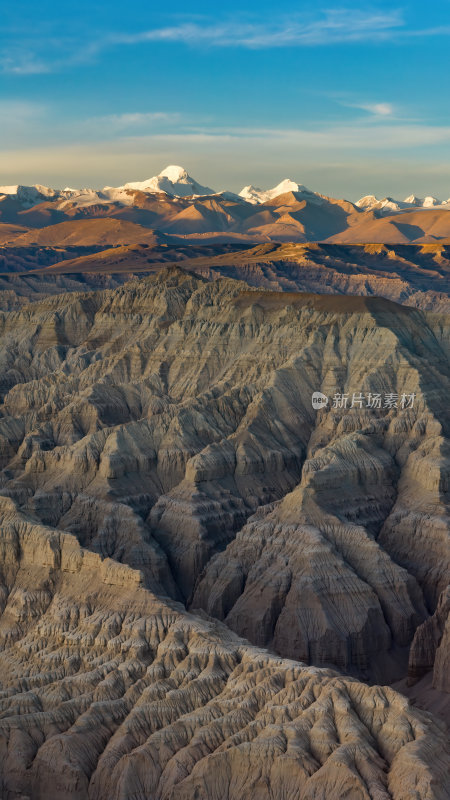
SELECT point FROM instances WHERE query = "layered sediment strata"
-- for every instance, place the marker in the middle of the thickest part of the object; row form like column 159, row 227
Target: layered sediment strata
column 168, row 425
column 414, row 275
column 108, row 692
column 430, row 649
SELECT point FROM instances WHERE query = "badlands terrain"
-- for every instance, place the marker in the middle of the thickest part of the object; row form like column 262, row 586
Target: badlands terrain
column 208, row 588
column 415, row 275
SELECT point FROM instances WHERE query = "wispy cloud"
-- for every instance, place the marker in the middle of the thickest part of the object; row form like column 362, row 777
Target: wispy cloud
column 129, row 121
column 330, row 27
column 20, row 109
column 23, row 121
column 366, row 157
column 383, row 137
column 314, row 29
column 377, row 109
column 140, row 118
column 376, row 112
column 132, row 129
column 348, row 138
column 21, row 64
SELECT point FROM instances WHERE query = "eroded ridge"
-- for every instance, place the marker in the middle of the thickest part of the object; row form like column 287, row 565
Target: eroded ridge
column 168, row 425
column 107, row 692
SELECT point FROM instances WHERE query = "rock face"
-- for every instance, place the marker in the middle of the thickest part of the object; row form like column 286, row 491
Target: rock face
column 168, row 425
column 417, row 276
column 160, row 458
column 108, row 692
column 430, row 649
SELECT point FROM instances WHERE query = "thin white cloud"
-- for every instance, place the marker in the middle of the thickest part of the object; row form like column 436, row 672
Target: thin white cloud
column 438, row 30
column 119, row 123
column 24, row 67
column 331, row 27
column 384, row 137
column 139, row 118
column 22, row 109
column 377, row 109
column 34, row 121
column 19, row 119
column 340, row 161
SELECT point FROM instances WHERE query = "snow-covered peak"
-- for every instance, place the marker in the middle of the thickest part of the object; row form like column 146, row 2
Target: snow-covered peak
column 368, row 201
column 288, row 186
column 173, row 180
column 388, row 205
column 9, row 189
column 175, row 174
column 255, row 195
column 29, row 196
column 176, row 182
column 413, row 200
column 427, row 202
column 251, row 193
column 430, row 201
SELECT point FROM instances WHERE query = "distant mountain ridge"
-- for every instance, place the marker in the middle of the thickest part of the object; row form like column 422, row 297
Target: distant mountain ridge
column 175, row 203
column 389, row 205
column 176, row 182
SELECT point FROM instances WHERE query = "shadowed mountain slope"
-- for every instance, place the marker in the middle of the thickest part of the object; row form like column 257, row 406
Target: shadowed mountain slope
column 416, row 275
column 293, row 214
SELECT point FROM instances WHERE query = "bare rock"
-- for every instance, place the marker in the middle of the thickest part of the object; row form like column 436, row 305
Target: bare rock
column 108, row 692
column 167, row 424
column 430, row 648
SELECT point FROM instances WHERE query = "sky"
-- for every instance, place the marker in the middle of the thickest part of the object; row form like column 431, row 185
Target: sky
column 348, row 99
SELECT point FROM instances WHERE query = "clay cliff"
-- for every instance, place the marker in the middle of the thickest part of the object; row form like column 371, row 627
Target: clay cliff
column 108, row 692
column 175, row 398
column 166, row 487
column 430, row 649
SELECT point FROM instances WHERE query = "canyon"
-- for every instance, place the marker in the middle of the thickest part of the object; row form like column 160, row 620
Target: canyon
column 208, row 588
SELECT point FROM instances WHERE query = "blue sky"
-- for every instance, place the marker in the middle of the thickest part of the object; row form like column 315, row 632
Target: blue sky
column 346, row 98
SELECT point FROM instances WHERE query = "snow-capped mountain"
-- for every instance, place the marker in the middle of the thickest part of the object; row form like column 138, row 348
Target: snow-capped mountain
column 173, row 180
column 90, row 197
column 252, row 194
column 29, row 196
column 426, row 202
column 387, row 205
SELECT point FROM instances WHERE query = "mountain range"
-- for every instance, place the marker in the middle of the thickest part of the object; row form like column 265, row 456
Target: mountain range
column 175, row 203
column 211, row 586
column 176, row 182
